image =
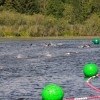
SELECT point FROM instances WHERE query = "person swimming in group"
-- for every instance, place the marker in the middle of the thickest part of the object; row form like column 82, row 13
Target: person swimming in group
column 49, row 44
column 52, row 44
column 84, row 46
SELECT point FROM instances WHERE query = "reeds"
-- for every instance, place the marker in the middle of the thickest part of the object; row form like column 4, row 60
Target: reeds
column 13, row 24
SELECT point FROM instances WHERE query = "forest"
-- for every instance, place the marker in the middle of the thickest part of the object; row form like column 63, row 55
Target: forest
column 42, row 18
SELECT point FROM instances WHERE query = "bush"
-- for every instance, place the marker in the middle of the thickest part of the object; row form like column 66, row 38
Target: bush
column 15, row 24
column 92, row 25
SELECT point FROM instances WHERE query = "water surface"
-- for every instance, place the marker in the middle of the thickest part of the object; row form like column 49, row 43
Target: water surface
column 28, row 66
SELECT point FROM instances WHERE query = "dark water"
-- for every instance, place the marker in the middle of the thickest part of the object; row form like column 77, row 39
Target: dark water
column 28, row 66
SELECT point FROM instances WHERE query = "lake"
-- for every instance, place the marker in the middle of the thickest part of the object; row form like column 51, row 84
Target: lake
column 26, row 67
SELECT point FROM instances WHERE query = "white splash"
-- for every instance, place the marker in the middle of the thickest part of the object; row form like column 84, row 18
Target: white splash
column 21, row 56
column 48, row 54
column 68, row 53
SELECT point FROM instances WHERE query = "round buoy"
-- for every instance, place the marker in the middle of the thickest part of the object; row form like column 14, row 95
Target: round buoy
column 96, row 41
column 52, row 92
column 90, row 70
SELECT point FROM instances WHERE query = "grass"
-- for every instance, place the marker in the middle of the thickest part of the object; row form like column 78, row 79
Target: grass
column 48, row 38
column 13, row 24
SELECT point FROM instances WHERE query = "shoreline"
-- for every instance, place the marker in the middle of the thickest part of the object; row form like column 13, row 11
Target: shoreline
column 48, row 38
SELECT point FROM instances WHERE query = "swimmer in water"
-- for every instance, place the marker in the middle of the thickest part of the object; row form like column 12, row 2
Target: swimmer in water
column 87, row 46
column 31, row 44
column 84, row 46
column 49, row 44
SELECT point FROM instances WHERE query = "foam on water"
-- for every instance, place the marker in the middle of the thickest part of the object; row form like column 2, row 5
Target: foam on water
column 48, row 54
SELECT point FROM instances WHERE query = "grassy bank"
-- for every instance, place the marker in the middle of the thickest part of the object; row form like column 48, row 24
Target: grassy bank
column 48, row 38
column 13, row 24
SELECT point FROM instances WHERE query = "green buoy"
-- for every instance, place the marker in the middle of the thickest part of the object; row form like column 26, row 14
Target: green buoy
column 52, row 92
column 96, row 41
column 90, row 70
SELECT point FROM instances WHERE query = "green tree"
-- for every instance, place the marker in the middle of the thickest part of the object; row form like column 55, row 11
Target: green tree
column 86, row 9
column 8, row 4
column 2, row 2
column 26, row 6
column 55, row 7
column 42, row 6
column 83, row 10
column 96, row 6
column 68, row 12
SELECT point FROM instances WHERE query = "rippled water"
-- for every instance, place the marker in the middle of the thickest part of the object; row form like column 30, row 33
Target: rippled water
column 28, row 66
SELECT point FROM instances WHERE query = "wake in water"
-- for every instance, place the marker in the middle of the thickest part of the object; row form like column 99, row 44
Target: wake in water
column 47, row 54
column 20, row 56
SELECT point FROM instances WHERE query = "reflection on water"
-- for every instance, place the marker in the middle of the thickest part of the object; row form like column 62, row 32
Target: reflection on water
column 27, row 66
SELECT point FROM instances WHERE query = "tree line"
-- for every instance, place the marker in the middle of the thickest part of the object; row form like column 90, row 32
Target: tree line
column 78, row 16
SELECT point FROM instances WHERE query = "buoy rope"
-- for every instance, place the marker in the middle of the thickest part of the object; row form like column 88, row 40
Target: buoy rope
column 91, row 86
column 83, row 98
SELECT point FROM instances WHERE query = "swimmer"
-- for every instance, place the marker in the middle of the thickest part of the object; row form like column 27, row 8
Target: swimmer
column 31, row 44
column 84, row 46
column 49, row 44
